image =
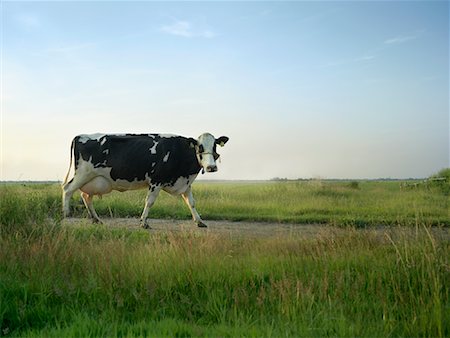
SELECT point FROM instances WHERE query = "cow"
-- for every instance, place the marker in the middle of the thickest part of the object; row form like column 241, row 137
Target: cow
column 106, row 162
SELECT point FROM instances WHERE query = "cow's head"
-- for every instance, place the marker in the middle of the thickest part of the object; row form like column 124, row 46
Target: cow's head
column 205, row 148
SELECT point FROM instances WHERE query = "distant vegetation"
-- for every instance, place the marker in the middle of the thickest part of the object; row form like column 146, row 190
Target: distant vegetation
column 443, row 173
column 89, row 280
column 442, row 180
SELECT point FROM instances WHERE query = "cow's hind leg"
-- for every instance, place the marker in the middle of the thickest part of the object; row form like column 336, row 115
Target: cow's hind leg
column 189, row 200
column 66, row 197
column 68, row 189
column 87, row 199
column 151, row 198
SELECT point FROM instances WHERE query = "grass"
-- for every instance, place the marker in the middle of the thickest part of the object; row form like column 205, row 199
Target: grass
column 95, row 281
column 90, row 280
column 364, row 203
column 372, row 203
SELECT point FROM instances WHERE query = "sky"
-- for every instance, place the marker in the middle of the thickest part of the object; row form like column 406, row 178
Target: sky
column 303, row 89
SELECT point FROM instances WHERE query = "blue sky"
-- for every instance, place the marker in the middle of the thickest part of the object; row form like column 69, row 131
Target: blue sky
column 303, row 89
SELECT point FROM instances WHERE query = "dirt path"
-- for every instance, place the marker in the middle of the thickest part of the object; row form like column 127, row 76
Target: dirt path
column 244, row 229
column 256, row 229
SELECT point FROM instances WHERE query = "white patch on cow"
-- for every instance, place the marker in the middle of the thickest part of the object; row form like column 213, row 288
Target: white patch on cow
column 180, row 186
column 90, row 137
column 103, row 141
column 106, row 151
column 153, row 148
column 85, row 167
column 97, row 186
column 83, row 138
column 166, row 158
column 99, row 164
column 167, row 135
column 86, row 173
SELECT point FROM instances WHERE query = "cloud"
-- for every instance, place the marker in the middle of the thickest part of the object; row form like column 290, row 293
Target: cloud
column 400, row 39
column 185, row 29
column 180, row 28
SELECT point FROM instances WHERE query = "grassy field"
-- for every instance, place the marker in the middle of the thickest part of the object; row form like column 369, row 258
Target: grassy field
column 92, row 280
column 338, row 203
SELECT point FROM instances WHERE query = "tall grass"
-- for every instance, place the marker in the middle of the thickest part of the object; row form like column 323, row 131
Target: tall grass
column 97, row 281
column 22, row 207
column 109, row 282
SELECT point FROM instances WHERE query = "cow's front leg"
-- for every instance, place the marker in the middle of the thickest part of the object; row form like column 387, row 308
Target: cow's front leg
column 189, row 199
column 151, row 198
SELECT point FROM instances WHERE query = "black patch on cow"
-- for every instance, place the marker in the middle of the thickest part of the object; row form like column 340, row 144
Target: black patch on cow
column 130, row 157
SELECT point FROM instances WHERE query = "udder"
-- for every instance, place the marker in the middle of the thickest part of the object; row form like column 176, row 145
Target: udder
column 97, row 186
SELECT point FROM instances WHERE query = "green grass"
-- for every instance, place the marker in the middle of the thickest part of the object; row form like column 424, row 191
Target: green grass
column 95, row 281
column 373, row 203
column 338, row 203
column 90, row 280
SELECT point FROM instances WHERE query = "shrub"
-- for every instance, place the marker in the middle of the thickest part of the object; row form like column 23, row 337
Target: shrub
column 441, row 180
column 354, row 185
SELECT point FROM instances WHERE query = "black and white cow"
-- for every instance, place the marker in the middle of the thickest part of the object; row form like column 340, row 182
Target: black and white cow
column 124, row 162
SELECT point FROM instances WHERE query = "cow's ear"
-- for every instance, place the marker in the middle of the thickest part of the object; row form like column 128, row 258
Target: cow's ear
column 222, row 140
column 192, row 142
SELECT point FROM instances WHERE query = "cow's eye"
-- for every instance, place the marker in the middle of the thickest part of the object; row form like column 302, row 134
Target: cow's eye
column 201, row 149
column 216, row 156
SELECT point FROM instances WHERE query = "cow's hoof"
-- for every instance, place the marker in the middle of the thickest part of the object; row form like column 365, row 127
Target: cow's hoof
column 97, row 221
column 200, row 224
column 145, row 225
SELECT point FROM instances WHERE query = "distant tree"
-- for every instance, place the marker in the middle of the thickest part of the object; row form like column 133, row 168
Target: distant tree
column 278, row 179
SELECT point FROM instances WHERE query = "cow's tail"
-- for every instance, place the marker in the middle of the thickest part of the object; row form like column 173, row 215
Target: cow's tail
column 71, row 157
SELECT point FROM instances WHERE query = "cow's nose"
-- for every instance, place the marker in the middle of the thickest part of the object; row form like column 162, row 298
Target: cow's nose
column 211, row 168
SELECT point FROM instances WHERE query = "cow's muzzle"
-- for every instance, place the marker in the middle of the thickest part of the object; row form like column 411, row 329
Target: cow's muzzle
column 211, row 168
